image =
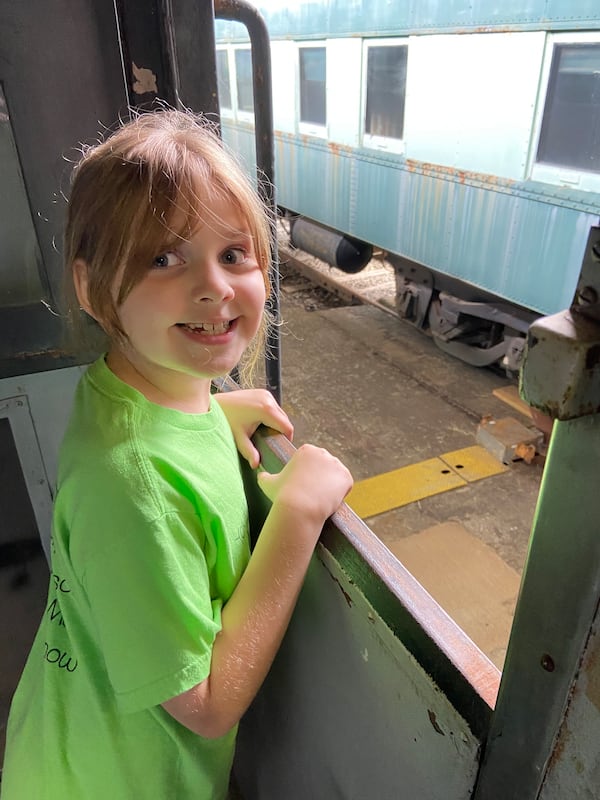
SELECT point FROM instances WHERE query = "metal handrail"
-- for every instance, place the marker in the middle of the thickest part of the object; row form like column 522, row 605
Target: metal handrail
column 241, row 11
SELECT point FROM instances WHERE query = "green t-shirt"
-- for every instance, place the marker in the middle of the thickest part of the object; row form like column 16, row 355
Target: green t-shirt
column 150, row 538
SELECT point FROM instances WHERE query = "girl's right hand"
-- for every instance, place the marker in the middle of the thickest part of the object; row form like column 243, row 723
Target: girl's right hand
column 313, row 483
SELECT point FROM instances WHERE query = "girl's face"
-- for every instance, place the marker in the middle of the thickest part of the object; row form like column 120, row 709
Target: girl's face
column 193, row 314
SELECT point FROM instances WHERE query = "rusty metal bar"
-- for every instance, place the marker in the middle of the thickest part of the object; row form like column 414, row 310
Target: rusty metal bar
column 459, row 668
column 463, row 673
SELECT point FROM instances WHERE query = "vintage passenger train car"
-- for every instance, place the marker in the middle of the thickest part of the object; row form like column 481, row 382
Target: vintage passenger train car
column 461, row 138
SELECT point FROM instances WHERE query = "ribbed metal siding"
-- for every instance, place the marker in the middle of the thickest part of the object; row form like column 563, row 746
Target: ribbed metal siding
column 507, row 238
column 316, row 178
column 384, row 18
column 526, row 250
column 309, row 174
column 523, row 248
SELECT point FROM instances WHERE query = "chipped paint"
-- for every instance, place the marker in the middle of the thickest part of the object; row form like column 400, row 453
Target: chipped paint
column 145, row 80
column 459, row 175
column 434, row 723
column 347, row 597
column 50, row 353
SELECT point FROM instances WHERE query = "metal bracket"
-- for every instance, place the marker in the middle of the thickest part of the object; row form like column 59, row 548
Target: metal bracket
column 587, row 294
column 561, row 370
column 413, row 301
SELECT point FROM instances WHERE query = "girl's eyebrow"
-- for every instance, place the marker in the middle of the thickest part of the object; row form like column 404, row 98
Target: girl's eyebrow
column 171, row 244
column 164, row 248
column 240, row 234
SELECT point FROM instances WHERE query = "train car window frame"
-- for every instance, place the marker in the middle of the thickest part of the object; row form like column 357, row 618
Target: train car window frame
column 379, row 141
column 546, row 171
column 310, row 128
column 242, row 114
column 224, row 109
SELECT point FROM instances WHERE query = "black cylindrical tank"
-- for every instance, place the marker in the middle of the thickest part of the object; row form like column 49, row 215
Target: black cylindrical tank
column 343, row 252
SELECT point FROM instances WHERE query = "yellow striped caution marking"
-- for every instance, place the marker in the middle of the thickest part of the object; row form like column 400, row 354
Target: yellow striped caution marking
column 417, row 481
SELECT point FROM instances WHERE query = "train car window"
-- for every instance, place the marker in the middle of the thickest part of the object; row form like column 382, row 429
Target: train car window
column 570, row 132
column 385, row 93
column 223, row 82
column 313, row 82
column 19, row 241
column 243, row 80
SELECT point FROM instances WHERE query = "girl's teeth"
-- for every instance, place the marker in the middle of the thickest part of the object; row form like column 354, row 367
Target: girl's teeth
column 208, row 327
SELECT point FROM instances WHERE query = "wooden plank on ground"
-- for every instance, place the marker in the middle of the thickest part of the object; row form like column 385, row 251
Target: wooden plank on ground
column 510, row 396
column 468, row 579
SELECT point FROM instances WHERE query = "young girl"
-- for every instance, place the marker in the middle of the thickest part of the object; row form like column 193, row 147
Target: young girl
column 160, row 627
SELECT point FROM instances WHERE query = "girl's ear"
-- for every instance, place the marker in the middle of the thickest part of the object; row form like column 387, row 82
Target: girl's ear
column 80, row 280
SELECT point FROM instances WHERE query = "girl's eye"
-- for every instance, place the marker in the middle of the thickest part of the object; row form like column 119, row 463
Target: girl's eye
column 234, row 255
column 164, row 260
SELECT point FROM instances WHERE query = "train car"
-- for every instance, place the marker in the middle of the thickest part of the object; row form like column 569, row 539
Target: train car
column 462, row 139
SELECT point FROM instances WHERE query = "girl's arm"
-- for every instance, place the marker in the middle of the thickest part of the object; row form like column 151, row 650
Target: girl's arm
column 304, row 494
column 245, row 410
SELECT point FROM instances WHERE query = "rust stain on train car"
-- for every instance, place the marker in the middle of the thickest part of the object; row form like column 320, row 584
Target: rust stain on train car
column 335, row 148
column 488, row 29
column 339, row 149
column 459, row 175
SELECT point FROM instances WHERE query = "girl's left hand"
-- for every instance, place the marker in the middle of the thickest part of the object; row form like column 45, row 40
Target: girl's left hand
column 245, row 410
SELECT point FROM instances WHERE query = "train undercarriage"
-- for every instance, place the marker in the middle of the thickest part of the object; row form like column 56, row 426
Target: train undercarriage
column 466, row 322
column 478, row 328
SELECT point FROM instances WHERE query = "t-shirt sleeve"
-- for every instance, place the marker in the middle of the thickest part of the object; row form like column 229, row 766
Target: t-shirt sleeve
column 151, row 602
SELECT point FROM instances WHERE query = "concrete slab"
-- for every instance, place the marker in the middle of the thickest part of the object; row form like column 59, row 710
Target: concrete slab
column 380, row 395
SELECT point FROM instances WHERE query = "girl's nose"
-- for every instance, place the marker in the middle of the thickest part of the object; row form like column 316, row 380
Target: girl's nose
column 211, row 284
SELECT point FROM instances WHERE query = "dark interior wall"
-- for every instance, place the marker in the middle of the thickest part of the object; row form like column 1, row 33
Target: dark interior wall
column 61, row 73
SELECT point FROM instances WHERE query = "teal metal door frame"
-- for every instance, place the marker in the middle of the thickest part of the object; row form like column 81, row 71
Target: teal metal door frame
column 560, row 589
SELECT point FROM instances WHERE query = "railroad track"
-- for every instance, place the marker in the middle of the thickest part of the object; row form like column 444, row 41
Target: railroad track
column 374, row 285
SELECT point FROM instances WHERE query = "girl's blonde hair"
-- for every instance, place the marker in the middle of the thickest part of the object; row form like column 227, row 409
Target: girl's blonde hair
column 125, row 194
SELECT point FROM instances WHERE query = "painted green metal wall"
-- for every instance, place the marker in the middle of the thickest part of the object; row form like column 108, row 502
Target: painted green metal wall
column 348, row 713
